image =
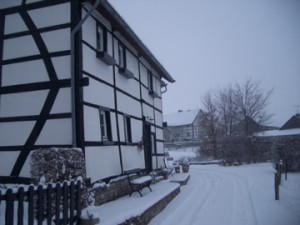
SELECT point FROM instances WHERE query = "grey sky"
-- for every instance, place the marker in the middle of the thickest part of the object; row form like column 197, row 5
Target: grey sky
column 206, row 44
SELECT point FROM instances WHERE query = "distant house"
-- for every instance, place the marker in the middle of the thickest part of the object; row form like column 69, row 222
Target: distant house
column 249, row 126
column 183, row 127
column 293, row 122
column 284, row 143
column 91, row 85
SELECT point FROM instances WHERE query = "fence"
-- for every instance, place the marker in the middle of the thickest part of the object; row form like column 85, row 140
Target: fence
column 290, row 192
column 59, row 203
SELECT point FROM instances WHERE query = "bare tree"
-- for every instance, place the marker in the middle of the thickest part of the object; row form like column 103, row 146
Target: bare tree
column 231, row 115
column 209, row 122
column 227, row 109
column 251, row 101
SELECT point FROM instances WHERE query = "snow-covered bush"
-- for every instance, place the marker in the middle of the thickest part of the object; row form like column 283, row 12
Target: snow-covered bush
column 57, row 165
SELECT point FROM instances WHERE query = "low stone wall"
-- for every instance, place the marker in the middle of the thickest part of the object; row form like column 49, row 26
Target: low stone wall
column 150, row 213
column 103, row 193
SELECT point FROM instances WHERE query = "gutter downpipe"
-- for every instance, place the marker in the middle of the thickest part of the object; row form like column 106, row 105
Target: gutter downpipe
column 73, row 98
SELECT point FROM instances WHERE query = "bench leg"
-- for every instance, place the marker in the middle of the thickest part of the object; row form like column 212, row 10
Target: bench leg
column 139, row 191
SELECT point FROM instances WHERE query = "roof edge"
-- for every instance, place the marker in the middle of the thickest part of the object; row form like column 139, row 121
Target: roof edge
column 124, row 29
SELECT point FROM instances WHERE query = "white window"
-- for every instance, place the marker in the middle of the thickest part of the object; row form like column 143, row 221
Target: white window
column 127, row 129
column 105, row 125
column 101, row 39
column 122, row 60
column 150, row 80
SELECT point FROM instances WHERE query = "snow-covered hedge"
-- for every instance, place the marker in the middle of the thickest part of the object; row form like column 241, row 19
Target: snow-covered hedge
column 57, row 165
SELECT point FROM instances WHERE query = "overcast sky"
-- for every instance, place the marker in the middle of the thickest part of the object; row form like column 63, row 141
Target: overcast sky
column 206, row 44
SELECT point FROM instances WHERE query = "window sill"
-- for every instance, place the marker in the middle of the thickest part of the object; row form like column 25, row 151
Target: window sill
column 153, row 94
column 106, row 58
column 126, row 73
column 108, row 142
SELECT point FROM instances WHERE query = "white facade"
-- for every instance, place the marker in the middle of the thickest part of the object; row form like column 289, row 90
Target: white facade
column 118, row 101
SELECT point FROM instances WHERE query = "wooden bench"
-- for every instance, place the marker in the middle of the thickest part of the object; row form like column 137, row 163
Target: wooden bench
column 137, row 181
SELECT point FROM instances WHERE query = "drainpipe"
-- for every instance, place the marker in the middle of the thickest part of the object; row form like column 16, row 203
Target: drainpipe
column 165, row 90
column 73, row 99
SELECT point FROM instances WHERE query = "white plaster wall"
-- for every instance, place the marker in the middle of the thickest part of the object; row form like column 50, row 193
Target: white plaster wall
column 145, row 95
column 95, row 66
column 132, row 63
column 7, row 161
column 24, row 73
column 58, row 40
column 159, row 134
column 62, row 65
column 8, row 134
column 158, row 118
column 159, row 147
column 158, row 103
column 22, row 104
column 9, row 3
column 19, row 47
column 128, row 105
column 148, row 112
column 99, row 94
column 56, row 131
column 131, row 86
column 89, row 31
column 102, row 162
column 62, row 102
column 52, row 15
column 25, row 172
column 92, row 130
column 14, row 23
column 144, row 75
column 137, row 130
column 132, row 157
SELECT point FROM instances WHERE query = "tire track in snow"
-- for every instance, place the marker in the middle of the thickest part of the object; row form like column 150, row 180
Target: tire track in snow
column 193, row 197
column 211, row 196
column 243, row 212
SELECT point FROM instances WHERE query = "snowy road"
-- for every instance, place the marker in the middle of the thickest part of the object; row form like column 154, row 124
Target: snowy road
column 217, row 195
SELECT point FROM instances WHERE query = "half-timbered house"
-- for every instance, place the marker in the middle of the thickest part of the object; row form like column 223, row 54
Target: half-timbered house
column 74, row 74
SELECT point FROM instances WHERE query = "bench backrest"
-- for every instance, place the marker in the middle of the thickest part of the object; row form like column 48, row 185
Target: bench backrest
column 132, row 171
column 169, row 161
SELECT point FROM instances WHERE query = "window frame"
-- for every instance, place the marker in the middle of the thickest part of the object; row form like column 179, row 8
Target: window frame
column 101, row 37
column 127, row 129
column 122, row 56
column 105, row 125
column 101, row 45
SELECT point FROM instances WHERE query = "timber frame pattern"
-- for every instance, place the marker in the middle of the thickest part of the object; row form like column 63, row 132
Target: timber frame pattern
column 55, row 82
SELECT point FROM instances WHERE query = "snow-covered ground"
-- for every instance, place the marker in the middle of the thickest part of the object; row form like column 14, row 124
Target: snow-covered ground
column 242, row 195
column 214, row 195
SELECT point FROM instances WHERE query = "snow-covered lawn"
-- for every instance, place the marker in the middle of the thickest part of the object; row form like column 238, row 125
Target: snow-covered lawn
column 242, row 195
column 214, row 195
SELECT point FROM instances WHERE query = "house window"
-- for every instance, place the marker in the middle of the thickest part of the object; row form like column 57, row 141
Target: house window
column 127, row 129
column 122, row 62
column 151, row 83
column 101, row 39
column 150, row 80
column 105, row 125
column 153, row 145
column 122, row 57
column 102, row 46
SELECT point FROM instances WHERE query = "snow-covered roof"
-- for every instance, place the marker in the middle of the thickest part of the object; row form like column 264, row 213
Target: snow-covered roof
column 269, row 133
column 181, row 118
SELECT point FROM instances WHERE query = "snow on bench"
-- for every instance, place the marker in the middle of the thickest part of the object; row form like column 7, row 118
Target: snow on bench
column 137, row 181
